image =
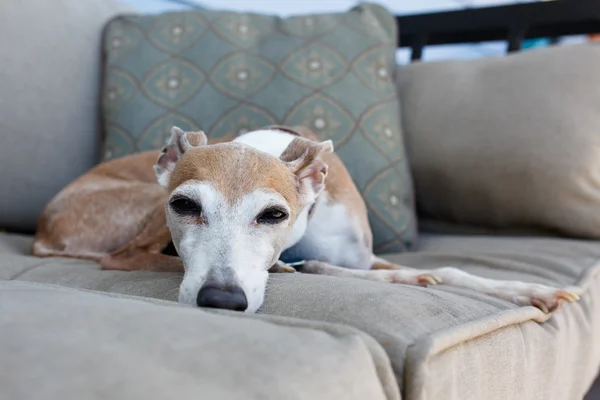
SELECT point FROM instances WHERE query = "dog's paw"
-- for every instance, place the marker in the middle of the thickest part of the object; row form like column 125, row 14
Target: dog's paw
column 411, row 277
column 546, row 298
column 110, row 263
column 281, row 268
column 429, row 279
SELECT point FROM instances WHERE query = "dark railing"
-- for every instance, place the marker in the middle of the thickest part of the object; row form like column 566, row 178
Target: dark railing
column 186, row 3
column 512, row 23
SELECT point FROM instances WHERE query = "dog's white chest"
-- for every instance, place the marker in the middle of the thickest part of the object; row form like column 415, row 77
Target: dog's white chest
column 332, row 235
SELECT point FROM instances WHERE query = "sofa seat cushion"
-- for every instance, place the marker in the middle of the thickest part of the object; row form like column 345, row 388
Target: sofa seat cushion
column 77, row 344
column 442, row 341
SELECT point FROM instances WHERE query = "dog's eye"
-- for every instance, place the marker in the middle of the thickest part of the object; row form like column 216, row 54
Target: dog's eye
column 182, row 205
column 271, row 216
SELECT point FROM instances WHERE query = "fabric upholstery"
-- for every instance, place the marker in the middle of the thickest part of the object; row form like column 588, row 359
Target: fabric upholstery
column 423, row 330
column 49, row 87
column 509, row 142
column 59, row 343
column 228, row 73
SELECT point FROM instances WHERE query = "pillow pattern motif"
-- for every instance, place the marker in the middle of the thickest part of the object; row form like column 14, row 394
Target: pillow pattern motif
column 228, row 73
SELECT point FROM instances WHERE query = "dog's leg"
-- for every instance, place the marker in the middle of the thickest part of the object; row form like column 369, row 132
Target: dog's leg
column 406, row 276
column 380, row 263
column 143, row 252
column 154, row 236
column 546, row 298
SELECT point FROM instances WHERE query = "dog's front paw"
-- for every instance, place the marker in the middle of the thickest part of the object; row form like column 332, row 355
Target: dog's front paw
column 429, row 279
column 546, row 298
column 280, row 267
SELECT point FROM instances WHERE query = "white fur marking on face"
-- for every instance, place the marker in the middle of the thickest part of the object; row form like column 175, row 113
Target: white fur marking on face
column 273, row 142
column 229, row 247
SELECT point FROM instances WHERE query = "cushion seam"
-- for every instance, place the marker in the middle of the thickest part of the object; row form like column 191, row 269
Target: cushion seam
column 26, row 270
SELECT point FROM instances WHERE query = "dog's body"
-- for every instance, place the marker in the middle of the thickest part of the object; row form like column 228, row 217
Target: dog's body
column 230, row 210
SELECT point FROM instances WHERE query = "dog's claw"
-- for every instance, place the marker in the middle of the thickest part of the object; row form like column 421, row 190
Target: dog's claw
column 567, row 296
column 282, row 268
column 429, row 279
column 287, row 269
column 549, row 299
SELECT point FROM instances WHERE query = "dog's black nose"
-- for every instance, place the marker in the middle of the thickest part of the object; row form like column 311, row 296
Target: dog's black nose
column 231, row 298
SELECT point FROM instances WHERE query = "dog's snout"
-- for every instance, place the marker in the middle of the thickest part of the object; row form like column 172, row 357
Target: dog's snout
column 229, row 298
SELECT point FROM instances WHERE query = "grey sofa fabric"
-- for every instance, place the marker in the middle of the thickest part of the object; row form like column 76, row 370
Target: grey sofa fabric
column 59, row 343
column 49, row 86
column 507, row 143
column 442, row 342
column 445, row 342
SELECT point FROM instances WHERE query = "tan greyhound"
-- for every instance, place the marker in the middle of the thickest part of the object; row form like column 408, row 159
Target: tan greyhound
column 230, row 209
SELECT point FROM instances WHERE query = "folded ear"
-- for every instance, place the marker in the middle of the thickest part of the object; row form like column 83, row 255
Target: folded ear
column 302, row 157
column 178, row 144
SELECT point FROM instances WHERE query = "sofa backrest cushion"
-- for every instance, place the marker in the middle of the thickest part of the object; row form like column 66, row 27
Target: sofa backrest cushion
column 229, row 72
column 510, row 142
column 49, row 83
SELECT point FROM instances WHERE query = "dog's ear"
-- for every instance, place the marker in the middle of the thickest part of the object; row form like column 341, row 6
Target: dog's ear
column 177, row 145
column 302, row 157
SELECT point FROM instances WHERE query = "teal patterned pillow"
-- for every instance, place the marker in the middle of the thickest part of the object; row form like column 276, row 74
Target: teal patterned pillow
column 228, row 73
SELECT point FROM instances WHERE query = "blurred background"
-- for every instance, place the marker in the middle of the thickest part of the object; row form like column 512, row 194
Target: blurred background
column 399, row 7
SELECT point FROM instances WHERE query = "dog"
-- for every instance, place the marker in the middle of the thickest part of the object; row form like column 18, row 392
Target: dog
column 230, row 209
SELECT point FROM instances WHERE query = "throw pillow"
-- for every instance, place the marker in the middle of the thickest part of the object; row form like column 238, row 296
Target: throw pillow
column 228, row 72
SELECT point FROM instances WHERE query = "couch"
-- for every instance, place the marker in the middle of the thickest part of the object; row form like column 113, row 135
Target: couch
column 70, row 330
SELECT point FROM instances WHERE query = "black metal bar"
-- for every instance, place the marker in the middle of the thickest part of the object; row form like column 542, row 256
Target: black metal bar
column 187, row 3
column 543, row 19
column 417, row 48
column 515, row 38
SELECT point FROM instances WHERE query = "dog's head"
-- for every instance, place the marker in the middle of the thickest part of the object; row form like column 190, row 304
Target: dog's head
column 231, row 209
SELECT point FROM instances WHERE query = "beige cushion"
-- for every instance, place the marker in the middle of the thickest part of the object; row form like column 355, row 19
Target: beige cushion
column 50, row 58
column 511, row 142
column 443, row 342
column 61, row 344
